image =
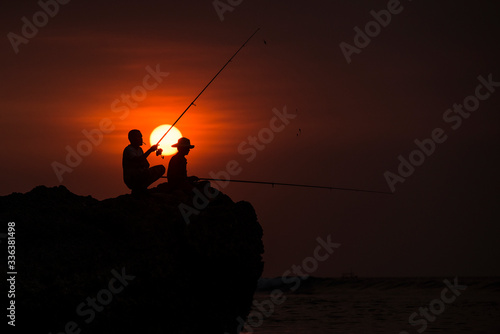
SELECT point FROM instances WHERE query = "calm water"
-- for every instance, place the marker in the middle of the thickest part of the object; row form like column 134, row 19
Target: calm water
column 383, row 306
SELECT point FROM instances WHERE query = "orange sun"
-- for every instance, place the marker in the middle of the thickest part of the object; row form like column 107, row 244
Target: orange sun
column 171, row 138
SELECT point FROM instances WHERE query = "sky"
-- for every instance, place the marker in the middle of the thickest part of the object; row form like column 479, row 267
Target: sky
column 333, row 93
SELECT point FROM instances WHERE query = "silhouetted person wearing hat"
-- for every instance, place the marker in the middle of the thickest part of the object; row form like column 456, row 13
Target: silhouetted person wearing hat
column 177, row 167
column 137, row 174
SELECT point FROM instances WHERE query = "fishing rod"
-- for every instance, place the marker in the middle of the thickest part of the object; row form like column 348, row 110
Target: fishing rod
column 192, row 103
column 298, row 185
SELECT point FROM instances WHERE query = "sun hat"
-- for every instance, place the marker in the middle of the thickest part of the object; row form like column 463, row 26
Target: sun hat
column 183, row 142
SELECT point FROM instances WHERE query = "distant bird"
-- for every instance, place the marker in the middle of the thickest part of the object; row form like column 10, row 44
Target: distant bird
column 298, row 133
column 265, row 42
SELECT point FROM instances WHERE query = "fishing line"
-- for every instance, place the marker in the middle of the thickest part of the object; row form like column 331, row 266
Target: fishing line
column 192, row 103
column 298, row 185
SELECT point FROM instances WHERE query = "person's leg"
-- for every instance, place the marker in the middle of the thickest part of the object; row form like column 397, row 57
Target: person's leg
column 154, row 173
column 138, row 184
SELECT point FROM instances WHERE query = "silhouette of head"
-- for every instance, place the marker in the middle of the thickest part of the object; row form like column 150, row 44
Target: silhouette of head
column 135, row 138
column 183, row 146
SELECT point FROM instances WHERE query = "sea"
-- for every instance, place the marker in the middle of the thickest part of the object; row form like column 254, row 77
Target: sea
column 376, row 305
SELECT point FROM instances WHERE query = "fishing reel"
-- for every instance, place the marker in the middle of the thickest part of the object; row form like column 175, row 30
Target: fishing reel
column 159, row 152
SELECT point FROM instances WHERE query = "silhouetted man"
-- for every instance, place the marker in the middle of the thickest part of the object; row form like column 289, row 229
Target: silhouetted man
column 177, row 167
column 136, row 171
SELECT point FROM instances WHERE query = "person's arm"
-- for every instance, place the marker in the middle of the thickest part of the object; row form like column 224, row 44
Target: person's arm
column 144, row 156
column 151, row 150
column 135, row 159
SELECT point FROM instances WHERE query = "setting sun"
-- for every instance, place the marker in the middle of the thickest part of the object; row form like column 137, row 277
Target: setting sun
column 171, row 138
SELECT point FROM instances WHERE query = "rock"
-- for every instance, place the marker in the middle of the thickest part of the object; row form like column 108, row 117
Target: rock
column 128, row 265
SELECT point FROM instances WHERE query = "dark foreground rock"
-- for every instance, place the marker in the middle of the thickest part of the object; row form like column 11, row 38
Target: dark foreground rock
column 127, row 265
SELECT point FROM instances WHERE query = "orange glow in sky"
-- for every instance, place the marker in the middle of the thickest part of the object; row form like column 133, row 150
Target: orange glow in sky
column 354, row 120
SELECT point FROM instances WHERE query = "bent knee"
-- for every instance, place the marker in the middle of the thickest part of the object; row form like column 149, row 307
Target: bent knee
column 159, row 169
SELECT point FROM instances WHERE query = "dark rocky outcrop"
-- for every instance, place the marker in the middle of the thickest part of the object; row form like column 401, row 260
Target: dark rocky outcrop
column 178, row 278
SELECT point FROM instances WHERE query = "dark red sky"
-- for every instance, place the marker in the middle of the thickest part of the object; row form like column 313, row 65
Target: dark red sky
column 355, row 119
